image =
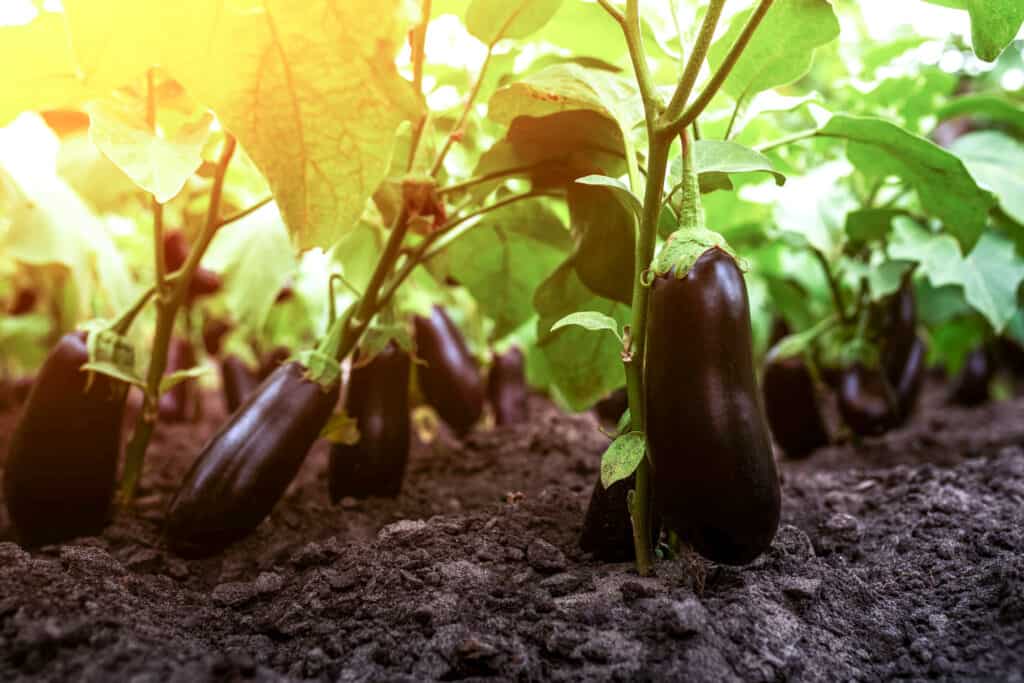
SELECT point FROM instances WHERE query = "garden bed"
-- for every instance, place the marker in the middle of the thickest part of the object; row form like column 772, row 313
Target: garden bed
column 900, row 557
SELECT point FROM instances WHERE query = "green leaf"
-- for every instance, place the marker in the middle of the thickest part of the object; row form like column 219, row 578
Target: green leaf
column 869, row 225
column 811, row 209
column 589, row 320
column 994, row 24
column 492, row 20
column 991, row 275
column 938, row 254
column 996, row 161
column 716, row 160
column 341, row 428
column 168, row 382
column 505, row 257
column 622, row 458
column 116, row 372
column 619, row 189
column 603, row 229
column 946, row 190
column 996, row 108
column 159, row 164
column 781, row 50
column 584, row 367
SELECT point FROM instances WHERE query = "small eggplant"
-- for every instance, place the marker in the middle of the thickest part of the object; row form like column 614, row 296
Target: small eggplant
column 204, row 282
column 971, row 387
column 611, row 407
column 451, row 380
column 793, row 407
column 176, row 404
column 62, row 462
column 607, row 532
column 863, row 401
column 900, row 330
column 910, row 380
column 506, row 387
column 239, row 380
column 246, row 467
column 378, row 399
column 214, row 331
column 715, row 484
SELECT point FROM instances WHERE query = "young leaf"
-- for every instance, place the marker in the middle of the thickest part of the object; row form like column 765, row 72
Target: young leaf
column 341, row 428
column 603, row 228
column 116, row 372
column 589, row 320
column 996, row 161
column 782, row 48
column 879, row 149
column 492, row 20
column 716, row 160
column 158, row 164
column 622, row 458
column 168, row 382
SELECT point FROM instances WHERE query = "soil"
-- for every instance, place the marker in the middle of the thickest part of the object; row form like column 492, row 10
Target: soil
column 898, row 557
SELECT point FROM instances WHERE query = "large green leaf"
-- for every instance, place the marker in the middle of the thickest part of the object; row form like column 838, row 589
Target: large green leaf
column 782, row 48
column 994, row 24
column 996, row 161
column 991, row 275
column 938, row 254
column 492, row 20
column 716, row 160
column 946, row 190
column 584, row 366
column 603, row 229
column 504, row 258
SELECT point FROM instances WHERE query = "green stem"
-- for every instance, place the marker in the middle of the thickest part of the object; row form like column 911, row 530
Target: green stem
column 735, row 116
column 638, row 57
column 439, row 161
column 419, row 43
column 124, row 323
column 691, row 214
column 833, row 284
column 787, row 140
column 695, row 60
column 481, row 179
column 677, row 123
column 244, row 212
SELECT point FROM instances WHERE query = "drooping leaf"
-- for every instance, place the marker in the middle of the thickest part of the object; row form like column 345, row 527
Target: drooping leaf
column 492, row 20
column 622, row 458
column 946, row 190
column 603, row 228
column 716, row 160
column 589, row 320
column 781, row 50
column 996, row 162
column 619, row 190
column 994, row 24
column 991, row 276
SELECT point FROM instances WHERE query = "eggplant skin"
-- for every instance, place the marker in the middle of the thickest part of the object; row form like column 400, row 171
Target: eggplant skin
column 715, row 481
column 971, row 386
column 506, row 387
column 900, row 330
column 792, row 407
column 246, row 467
column 62, row 463
column 862, row 401
column 451, row 380
column 378, row 398
column 607, row 532
column 239, row 380
column 911, row 378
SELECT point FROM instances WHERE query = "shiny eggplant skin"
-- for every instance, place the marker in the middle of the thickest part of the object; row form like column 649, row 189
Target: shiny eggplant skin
column 238, row 380
column 506, row 387
column 176, row 404
column 611, row 407
column 862, row 401
column 62, row 462
column 900, row 330
column 971, row 386
column 246, row 467
column 607, row 532
column 450, row 380
column 378, row 398
column 793, row 407
column 715, row 480
column 910, row 380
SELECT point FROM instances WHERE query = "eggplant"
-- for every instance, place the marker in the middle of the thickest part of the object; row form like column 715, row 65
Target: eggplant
column 864, row 403
column 607, row 532
column 238, row 380
column 246, row 467
column 506, row 387
column 1011, row 356
column 378, row 399
column 273, row 360
column 204, row 282
column 715, row 481
column 971, row 386
column 62, row 463
column 900, row 330
column 793, row 407
column 450, row 381
column 24, row 302
column 177, row 404
column 611, row 407
column 911, row 378
column 214, row 331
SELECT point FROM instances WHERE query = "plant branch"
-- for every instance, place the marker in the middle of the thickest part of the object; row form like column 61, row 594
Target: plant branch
column 833, row 284
column 732, row 119
column 244, row 212
column 439, row 161
column 638, row 56
column 695, row 60
column 787, row 140
column 159, row 258
column 613, row 11
column 677, row 123
column 419, row 45
column 481, row 179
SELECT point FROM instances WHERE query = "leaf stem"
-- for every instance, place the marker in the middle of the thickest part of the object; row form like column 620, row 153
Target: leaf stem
column 419, row 44
column 735, row 116
column 833, row 284
column 787, row 140
column 244, row 212
column 486, row 177
column 467, row 107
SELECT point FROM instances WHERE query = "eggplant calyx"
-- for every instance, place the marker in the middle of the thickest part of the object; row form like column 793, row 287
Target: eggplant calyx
column 685, row 246
column 320, row 368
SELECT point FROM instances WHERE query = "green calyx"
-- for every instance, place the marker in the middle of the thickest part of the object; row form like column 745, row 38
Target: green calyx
column 320, row 367
column 685, row 246
column 110, row 354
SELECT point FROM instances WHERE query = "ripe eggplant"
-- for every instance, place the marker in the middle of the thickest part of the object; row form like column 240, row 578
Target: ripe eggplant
column 378, row 399
column 715, row 481
column 204, row 282
column 793, row 407
column 506, row 387
column 239, row 380
column 62, row 463
column 214, row 331
column 900, row 330
column 971, row 387
column 864, row 403
column 451, row 380
column 607, row 532
column 246, row 467
column 911, row 378
column 177, row 404
column 611, row 407
column 24, row 302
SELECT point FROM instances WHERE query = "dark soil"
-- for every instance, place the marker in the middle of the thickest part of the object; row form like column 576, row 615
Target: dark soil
column 901, row 557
